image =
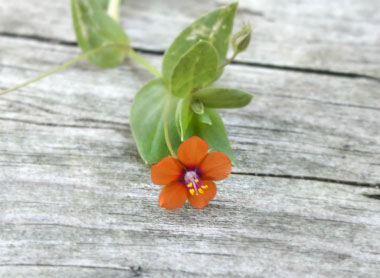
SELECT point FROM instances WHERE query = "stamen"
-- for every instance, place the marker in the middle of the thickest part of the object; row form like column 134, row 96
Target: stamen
column 196, row 188
column 193, row 183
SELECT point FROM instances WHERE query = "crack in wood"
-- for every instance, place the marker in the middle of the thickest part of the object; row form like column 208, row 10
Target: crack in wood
column 310, row 178
column 286, row 176
column 307, row 70
column 210, row 254
column 38, row 38
column 372, row 196
column 236, row 62
column 134, row 269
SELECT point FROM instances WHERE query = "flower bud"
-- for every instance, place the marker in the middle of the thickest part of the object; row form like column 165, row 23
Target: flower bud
column 241, row 39
column 198, row 107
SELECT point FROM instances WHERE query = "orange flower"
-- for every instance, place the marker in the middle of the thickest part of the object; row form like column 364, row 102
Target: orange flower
column 191, row 176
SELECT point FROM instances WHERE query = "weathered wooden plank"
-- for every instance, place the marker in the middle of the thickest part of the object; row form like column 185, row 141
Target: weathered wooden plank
column 324, row 35
column 77, row 201
column 298, row 124
column 259, row 227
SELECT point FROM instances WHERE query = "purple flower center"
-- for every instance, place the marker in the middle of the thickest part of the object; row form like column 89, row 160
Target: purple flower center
column 193, row 182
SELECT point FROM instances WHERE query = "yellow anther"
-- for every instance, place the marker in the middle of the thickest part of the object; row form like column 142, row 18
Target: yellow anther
column 190, row 185
column 192, row 191
column 200, row 190
column 196, row 180
column 204, row 186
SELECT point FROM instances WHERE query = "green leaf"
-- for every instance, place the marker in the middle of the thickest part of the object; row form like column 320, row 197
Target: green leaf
column 148, row 113
column 205, row 118
column 104, row 3
column 94, row 28
column 183, row 115
column 223, row 98
column 214, row 27
column 198, row 107
column 215, row 135
column 196, row 68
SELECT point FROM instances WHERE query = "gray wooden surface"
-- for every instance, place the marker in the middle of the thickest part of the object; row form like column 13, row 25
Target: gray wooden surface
column 303, row 200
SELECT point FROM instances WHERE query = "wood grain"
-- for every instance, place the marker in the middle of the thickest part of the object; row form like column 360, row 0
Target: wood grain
column 298, row 124
column 319, row 35
column 77, row 201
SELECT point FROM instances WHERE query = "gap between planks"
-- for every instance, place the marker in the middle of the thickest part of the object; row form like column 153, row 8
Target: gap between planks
column 310, row 178
column 270, row 175
column 251, row 64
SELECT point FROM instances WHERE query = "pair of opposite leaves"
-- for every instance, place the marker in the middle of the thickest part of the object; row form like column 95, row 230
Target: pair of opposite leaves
column 182, row 94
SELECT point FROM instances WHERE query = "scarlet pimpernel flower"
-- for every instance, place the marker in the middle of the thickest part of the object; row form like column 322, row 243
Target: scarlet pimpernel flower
column 191, row 176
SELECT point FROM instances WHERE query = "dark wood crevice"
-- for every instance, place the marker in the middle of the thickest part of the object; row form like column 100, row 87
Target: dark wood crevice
column 310, row 178
column 236, row 62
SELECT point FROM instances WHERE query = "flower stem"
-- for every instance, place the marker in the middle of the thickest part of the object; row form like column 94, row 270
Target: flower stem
column 141, row 60
column 166, row 131
column 113, row 10
column 228, row 61
column 62, row 66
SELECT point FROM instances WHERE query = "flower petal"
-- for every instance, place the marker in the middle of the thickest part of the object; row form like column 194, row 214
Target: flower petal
column 216, row 166
column 201, row 200
column 173, row 196
column 166, row 171
column 192, row 151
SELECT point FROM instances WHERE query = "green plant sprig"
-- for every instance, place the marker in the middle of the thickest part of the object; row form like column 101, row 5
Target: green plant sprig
column 65, row 65
column 180, row 102
column 193, row 62
column 101, row 38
